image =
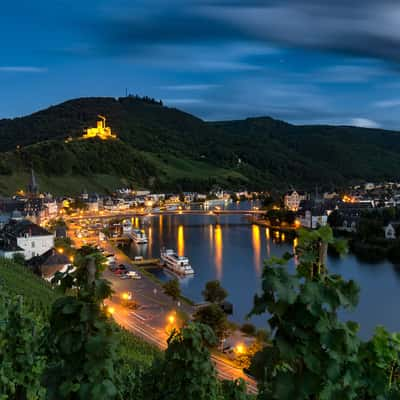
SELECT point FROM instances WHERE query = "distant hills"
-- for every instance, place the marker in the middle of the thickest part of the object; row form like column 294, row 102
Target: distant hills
column 163, row 148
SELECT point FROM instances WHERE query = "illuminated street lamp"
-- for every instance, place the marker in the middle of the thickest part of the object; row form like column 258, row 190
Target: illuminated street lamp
column 60, row 250
column 171, row 318
column 110, row 310
column 126, row 296
column 240, row 349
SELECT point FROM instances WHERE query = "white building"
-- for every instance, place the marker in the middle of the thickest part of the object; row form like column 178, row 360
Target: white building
column 308, row 220
column 25, row 237
column 292, row 200
column 391, row 230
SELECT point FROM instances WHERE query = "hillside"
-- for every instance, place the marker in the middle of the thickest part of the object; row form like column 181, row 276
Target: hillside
column 164, row 148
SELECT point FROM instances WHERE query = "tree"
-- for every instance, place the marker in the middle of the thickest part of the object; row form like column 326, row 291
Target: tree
column 22, row 360
column 312, row 354
column 248, row 329
column 380, row 361
column 335, row 219
column 80, row 339
column 370, row 229
column 214, row 292
column 186, row 371
column 213, row 316
column 172, row 289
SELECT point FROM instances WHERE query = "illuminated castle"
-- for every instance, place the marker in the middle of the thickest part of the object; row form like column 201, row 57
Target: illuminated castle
column 101, row 131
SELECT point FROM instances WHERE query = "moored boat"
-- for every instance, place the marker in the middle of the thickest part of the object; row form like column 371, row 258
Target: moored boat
column 175, row 263
column 138, row 236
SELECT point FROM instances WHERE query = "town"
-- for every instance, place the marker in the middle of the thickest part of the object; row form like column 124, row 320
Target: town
column 29, row 211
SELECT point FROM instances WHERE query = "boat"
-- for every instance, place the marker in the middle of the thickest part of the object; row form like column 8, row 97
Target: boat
column 138, row 236
column 126, row 226
column 175, row 263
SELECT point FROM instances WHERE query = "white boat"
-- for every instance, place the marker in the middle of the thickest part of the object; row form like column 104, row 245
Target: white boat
column 175, row 263
column 126, row 226
column 138, row 236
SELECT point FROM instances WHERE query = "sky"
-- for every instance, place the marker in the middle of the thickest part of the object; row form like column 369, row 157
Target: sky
column 302, row 61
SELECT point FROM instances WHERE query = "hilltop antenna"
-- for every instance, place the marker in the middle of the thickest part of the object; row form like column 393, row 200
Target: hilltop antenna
column 126, row 92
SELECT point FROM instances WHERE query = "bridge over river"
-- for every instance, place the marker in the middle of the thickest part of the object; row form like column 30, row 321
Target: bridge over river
column 140, row 213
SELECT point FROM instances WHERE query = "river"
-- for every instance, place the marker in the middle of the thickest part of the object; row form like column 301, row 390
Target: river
column 232, row 250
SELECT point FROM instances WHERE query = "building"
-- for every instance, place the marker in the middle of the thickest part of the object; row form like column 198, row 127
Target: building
column 292, row 200
column 33, row 187
column 101, row 131
column 93, row 204
column 392, row 230
column 49, row 263
column 24, row 237
column 313, row 214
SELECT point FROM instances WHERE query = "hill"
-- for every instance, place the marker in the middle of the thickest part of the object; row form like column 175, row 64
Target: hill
column 166, row 149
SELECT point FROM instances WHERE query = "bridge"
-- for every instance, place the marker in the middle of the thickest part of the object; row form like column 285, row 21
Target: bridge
column 139, row 213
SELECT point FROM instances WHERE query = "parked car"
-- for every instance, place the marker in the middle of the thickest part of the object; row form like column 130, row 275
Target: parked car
column 122, row 266
column 133, row 275
column 124, row 276
column 119, row 271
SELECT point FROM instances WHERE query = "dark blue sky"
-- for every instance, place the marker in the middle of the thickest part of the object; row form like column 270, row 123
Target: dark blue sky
column 304, row 61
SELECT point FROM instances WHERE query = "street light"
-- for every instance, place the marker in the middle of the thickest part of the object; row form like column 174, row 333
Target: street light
column 240, row 348
column 171, row 318
column 110, row 310
column 126, row 296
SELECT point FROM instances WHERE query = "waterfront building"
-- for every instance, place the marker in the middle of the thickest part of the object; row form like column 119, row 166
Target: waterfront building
column 392, row 230
column 292, row 199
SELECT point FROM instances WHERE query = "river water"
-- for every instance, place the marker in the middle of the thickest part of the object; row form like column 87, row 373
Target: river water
column 232, row 249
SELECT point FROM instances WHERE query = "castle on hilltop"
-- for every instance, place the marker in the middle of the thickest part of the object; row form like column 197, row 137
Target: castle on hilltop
column 101, row 131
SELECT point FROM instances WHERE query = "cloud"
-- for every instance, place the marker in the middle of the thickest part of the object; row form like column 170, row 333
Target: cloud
column 22, row 69
column 387, row 103
column 361, row 27
column 364, row 123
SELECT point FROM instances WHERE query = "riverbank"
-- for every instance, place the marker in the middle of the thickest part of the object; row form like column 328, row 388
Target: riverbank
column 373, row 249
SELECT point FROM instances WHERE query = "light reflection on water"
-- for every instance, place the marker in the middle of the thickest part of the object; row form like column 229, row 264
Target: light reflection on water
column 233, row 251
column 218, row 249
column 256, row 242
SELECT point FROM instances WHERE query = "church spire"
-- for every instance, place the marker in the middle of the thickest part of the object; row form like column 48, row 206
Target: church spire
column 33, row 188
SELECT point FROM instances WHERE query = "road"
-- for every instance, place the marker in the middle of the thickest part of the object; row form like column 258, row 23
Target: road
column 137, row 323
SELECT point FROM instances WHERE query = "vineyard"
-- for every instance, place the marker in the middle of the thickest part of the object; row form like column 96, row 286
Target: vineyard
column 39, row 295
column 16, row 279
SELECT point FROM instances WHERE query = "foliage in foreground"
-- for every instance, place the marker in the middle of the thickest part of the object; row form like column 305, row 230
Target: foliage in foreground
column 312, row 354
column 22, row 361
column 77, row 352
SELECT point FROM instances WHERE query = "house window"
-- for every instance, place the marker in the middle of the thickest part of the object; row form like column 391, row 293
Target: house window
column 33, row 245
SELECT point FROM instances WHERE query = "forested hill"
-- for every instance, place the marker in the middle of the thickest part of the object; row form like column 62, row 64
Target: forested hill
column 160, row 147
